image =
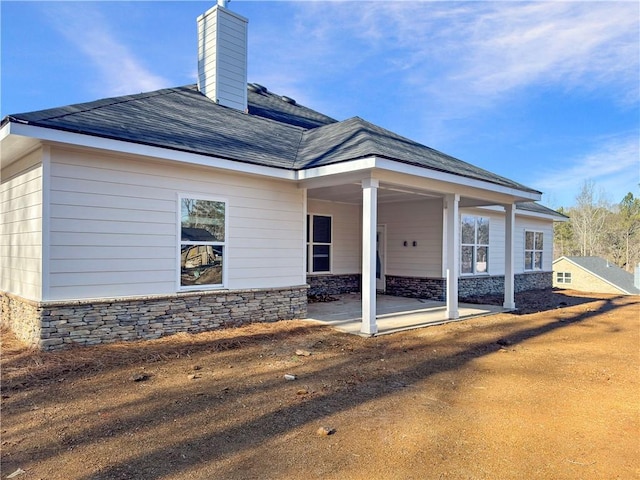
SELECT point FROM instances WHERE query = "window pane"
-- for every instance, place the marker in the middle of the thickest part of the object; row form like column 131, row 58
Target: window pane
column 467, row 230
column 567, row 278
column 202, row 220
column 483, row 231
column 528, row 240
column 201, row 264
column 538, row 241
column 321, row 261
column 483, row 260
column 307, row 228
column 466, row 260
column 538, row 261
column 528, row 260
column 321, row 229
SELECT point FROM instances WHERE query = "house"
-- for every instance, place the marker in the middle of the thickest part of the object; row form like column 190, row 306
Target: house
column 594, row 274
column 208, row 205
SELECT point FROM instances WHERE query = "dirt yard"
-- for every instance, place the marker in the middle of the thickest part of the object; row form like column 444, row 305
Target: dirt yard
column 548, row 395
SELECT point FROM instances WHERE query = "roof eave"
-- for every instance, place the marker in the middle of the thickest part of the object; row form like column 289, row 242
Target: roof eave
column 14, row 130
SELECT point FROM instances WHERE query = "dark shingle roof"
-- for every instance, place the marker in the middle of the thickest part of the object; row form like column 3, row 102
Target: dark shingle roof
column 276, row 132
column 607, row 271
column 537, row 208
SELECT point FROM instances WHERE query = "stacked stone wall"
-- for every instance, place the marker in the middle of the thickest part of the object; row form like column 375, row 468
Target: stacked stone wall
column 414, row 287
column 53, row 325
column 333, row 284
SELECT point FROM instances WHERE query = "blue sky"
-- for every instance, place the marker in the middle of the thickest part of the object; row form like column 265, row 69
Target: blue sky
column 545, row 93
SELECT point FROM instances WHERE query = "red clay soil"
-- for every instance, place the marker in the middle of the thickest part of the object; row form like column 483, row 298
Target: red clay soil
column 546, row 395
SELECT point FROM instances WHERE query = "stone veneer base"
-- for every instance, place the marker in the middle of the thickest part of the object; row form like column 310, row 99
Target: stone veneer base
column 435, row 288
column 58, row 324
column 333, row 284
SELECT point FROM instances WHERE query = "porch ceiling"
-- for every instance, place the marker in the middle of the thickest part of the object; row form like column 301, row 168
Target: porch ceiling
column 387, row 193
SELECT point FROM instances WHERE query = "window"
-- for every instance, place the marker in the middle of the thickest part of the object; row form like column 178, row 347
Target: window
column 563, row 277
column 202, row 242
column 474, row 235
column 318, row 244
column 533, row 242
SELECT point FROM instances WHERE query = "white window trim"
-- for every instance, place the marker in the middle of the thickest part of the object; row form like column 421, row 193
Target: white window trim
column 533, row 251
column 311, row 243
column 475, row 246
column 564, row 278
column 179, row 243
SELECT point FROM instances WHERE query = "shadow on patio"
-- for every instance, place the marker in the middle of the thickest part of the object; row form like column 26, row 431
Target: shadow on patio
column 394, row 314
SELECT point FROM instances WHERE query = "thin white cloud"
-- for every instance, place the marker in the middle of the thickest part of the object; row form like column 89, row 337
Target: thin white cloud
column 613, row 166
column 468, row 56
column 118, row 70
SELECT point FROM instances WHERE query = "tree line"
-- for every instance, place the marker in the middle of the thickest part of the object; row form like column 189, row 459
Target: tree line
column 599, row 228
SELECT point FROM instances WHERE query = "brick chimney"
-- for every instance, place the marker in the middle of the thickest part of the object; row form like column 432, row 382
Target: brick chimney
column 222, row 56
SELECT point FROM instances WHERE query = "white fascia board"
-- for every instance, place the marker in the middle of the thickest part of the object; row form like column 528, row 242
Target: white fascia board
column 350, row 166
column 454, row 179
column 5, row 131
column 542, row 216
column 90, row 141
column 524, row 213
column 370, row 163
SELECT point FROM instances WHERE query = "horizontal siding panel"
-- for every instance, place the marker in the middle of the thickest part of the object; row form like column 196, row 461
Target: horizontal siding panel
column 99, row 240
column 265, row 234
column 120, row 228
column 112, row 265
column 28, row 212
column 61, row 212
column 238, row 243
column 148, row 287
column 115, row 217
column 111, row 201
column 108, row 252
column 265, row 261
column 110, row 278
column 21, row 227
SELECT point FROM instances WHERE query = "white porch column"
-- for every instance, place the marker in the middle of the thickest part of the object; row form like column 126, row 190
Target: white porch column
column 509, row 279
column 369, row 223
column 451, row 203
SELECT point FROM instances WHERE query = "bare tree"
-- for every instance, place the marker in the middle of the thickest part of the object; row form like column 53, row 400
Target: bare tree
column 588, row 220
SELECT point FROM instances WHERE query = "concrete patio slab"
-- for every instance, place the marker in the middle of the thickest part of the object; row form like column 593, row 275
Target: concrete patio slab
column 394, row 314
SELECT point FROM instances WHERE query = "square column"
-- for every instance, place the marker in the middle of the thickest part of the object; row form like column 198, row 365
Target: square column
column 509, row 277
column 369, row 224
column 452, row 239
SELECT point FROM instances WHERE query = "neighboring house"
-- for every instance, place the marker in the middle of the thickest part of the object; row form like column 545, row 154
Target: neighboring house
column 593, row 274
column 194, row 207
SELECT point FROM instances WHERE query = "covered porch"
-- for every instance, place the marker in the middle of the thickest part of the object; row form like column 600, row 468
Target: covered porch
column 394, row 314
column 404, row 222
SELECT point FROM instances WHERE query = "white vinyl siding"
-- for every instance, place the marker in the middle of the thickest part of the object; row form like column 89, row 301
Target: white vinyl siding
column 419, row 222
column 528, row 224
column 346, row 233
column 113, row 226
column 222, row 45
column 21, row 193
